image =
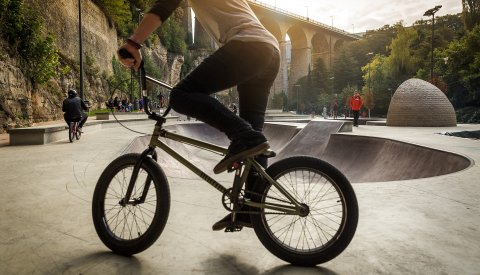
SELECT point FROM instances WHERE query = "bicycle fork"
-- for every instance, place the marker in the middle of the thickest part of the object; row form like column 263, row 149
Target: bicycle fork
column 136, row 169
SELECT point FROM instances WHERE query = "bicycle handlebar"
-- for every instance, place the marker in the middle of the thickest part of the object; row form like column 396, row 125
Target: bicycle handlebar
column 143, row 82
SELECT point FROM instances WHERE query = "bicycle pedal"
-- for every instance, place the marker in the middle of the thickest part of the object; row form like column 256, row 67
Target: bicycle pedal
column 233, row 228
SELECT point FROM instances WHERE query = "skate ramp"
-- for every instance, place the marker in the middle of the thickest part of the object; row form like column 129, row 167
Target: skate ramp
column 360, row 158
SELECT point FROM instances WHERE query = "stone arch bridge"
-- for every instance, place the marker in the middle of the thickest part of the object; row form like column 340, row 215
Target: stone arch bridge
column 309, row 40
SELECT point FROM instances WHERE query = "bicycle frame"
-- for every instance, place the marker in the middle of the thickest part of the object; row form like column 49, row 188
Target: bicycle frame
column 241, row 172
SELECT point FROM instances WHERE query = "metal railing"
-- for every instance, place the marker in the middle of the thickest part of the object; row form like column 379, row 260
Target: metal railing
column 302, row 18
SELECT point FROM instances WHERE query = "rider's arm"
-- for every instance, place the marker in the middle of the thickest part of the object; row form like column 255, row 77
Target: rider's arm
column 64, row 108
column 84, row 106
column 159, row 12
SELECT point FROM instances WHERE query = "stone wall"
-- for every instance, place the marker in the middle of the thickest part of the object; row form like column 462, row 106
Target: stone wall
column 99, row 36
column 21, row 104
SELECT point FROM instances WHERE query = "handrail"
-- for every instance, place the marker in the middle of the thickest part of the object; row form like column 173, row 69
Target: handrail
column 303, row 18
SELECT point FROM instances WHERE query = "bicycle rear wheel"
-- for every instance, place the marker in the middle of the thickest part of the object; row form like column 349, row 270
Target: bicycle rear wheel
column 78, row 134
column 332, row 217
column 71, row 131
column 132, row 228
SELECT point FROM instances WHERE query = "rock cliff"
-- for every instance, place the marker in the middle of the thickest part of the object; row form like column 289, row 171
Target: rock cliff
column 21, row 103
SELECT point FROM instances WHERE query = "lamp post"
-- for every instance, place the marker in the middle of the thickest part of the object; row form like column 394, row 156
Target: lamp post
column 297, row 87
column 369, row 82
column 431, row 12
column 131, row 71
column 331, row 45
column 307, row 12
column 80, row 38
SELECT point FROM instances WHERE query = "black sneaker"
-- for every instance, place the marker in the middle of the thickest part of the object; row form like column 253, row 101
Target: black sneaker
column 248, row 145
column 242, row 220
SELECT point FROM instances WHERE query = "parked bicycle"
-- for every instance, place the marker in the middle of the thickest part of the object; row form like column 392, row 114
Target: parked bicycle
column 303, row 210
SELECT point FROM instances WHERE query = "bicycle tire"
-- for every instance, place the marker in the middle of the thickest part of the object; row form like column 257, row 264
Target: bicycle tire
column 70, row 131
column 130, row 229
column 333, row 212
column 78, row 134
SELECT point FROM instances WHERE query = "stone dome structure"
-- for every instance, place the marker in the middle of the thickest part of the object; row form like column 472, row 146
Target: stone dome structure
column 419, row 103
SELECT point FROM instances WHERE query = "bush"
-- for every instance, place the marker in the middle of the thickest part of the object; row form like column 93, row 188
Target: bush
column 22, row 28
column 468, row 115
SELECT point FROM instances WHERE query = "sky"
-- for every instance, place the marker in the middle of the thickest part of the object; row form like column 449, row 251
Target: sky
column 361, row 15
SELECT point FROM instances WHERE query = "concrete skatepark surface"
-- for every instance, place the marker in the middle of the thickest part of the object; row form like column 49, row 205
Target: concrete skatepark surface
column 360, row 158
column 421, row 225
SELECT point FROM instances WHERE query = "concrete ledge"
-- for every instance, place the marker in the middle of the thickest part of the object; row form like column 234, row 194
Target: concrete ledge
column 51, row 133
column 377, row 123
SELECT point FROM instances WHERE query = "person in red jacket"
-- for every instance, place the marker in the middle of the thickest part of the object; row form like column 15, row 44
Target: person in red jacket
column 356, row 105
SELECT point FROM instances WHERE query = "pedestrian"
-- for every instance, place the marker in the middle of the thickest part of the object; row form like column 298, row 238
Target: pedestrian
column 140, row 104
column 116, row 104
column 334, row 108
column 356, row 105
column 248, row 58
column 324, row 113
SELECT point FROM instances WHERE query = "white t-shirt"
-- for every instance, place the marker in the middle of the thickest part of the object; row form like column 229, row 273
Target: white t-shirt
column 224, row 20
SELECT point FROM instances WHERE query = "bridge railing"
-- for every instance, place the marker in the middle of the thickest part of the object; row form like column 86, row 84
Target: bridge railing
column 302, row 18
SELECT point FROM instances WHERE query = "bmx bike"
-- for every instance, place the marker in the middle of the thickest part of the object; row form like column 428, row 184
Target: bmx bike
column 74, row 131
column 302, row 209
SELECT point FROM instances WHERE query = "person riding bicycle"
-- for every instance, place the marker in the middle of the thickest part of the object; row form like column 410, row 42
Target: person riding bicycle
column 248, row 58
column 73, row 108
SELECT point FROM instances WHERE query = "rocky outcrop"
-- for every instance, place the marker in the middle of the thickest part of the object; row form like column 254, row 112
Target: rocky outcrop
column 21, row 104
column 99, row 35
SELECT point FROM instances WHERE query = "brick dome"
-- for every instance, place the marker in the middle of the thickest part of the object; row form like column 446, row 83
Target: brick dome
column 419, row 103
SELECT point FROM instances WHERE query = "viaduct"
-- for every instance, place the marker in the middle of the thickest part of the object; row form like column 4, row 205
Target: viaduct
column 309, row 40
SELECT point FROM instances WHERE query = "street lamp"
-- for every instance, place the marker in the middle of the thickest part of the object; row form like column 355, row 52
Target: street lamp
column 297, row 87
column 431, row 12
column 80, row 38
column 307, row 12
column 369, row 81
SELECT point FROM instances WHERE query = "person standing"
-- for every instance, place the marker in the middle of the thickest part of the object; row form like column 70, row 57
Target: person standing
column 334, row 108
column 355, row 106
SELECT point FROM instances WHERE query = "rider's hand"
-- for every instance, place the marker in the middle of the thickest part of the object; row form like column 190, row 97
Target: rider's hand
column 129, row 62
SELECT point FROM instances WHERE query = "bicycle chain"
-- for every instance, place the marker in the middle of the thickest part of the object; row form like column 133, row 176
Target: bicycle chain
column 258, row 212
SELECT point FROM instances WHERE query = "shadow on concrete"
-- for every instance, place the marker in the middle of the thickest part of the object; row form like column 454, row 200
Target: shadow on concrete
column 99, row 263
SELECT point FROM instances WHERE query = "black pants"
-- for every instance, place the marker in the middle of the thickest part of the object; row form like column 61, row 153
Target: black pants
column 251, row 66
column 82, row 120
column 356, row 114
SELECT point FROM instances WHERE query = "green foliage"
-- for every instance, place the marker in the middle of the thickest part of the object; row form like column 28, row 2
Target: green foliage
column 471, row 13
column 119, row 12
column 119, row 82
column 22, row 28
column 172, row 35
column 401, row 62
column 462, row 66
column 279, row 101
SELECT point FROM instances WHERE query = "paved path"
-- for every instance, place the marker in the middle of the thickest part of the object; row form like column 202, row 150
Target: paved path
column 422, row 226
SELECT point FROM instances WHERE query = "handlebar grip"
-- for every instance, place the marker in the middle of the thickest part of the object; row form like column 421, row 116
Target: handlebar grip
column 123, row 53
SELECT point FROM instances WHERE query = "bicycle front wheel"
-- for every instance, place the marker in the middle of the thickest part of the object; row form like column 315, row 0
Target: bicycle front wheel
column 314, row 237
column 130, row 228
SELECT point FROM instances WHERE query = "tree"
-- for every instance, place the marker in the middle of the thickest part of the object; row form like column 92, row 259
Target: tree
column 463, row 63
column 368, row 101
column 471, row 13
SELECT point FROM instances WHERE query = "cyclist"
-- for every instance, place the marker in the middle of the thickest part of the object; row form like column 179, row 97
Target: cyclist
column 73, row 107
column 248, row 58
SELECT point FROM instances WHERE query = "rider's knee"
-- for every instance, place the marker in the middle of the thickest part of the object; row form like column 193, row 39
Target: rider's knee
column 176, row 99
